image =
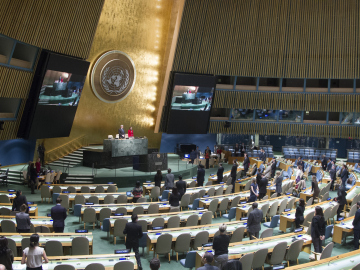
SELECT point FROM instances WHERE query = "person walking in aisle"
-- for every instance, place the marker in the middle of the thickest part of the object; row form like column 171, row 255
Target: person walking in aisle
column 254, row 221
column 58, row 214
column 133, row 232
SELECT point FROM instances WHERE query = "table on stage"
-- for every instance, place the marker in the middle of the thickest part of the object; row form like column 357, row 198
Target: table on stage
column 307, row 193
column 287, row 220
column 126, row 147
column 342, row 229
column 150, row 217
column 36, row 221
column 64, row 238
column 81, row 261
column 78, row 187
column 193, row 231
column 237, row 250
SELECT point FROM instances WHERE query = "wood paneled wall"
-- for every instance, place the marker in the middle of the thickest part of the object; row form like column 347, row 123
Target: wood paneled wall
column 270, row 38
column 287, row 101
column 66, row 27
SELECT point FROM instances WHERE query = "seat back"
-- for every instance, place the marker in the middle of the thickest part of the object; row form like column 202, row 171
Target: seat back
column 93, row 199
column 182, row 243
column 273, row 209
column 328, row 231
column 121, row 199
column 71, row 189
column 185, row 200
column 237, row 235
column 139, row 210
column 155, row 193
column 104, row 213
column 42, row 229
column 57, row 189
column 192, row 220
column 213, row 206
column 121, row 210
column 294, row 250
column 232, row 213
column 310, row 201
column 12, row 246
column 99, row 189
column 124, row 265
column 85, row 189
column 89, row 215
column 278, row 254
column 4, row 198
column 246, row 261
column 80, row 246
column 211, row 191
column 326, row 253
column 352, row 211
column 274, row 221
column 334, row 210
column 109, row 199
column 267, row 233
column 64, row 201
column 5, row 211
column 64, row 267
column 173, row 222
column 158, row 222
column 195, row 204
column 224, row 204
column 247, row 186
column 308, row 218
column 8, row 226
column 202, row 193
column 327, row 213
column 95, row 266
column 264, row 209
column 228, row 189
column 53, row 248
column 119, row 226
column 192, row 184
column 200, row 239
column 79, row 199
column 274, row 195
column 143, row 224
column 111, row 189
column 219, row 191
column 45, row 191
column 259, row 258
column 163, row 245
column 282, row 206
column 206, row 218
column 290, row 203
column 234, row 202
column 153, row 209
column 190, row 259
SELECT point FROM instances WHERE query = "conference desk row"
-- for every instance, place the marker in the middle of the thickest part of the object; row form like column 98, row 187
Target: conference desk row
column 80, row 262
column 33, row 208
column 36, row 221
column 148, row 186
column 92, row 187
column 307, row 193
column 213, row 178
column 237, row 250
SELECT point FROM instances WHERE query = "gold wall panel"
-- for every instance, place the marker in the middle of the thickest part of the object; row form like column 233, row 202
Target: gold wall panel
column 66, row 26
column 140, row 28
column 287, row 101
column 270, row 38
column 285, row 129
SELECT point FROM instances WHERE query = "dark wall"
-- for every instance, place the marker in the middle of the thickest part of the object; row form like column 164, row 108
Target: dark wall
column 16, row 151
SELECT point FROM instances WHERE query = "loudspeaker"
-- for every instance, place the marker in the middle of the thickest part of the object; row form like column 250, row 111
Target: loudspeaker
column 227, row 124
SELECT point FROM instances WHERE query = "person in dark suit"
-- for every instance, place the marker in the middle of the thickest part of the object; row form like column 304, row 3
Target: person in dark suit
column 219, row 173
column 133, row 232
column 344, row 175
column 273, row 168
column 33, row 176
column 158, row 178
column 356, row 224
column 121, row 132
column 278, row 183
column 341, row 200
column 301, row 162
column 329, row 165
column 259, row 176
column 324, row 163
column 175, row 197
column 332, row 177
column 237, row 150
column 200, row 175
column 262, row 187
column 58, row 214
column 181, row 186
column 207, row 259
column 192, row 156
column 246, row 163
column 299, row 214
column 19, row 201
column 262, row 155
column 318, row 224
column 254, row 220
column 169, row 180
column 233, row 174
column 23, row 220
column 207, row 156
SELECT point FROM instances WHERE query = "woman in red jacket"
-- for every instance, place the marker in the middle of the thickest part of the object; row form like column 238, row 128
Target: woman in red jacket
column 130, row 132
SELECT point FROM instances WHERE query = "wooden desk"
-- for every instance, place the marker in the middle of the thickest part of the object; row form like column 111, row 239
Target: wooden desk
column 64, row 238
column 101, row 196
column 36, row 221
column 148, row 186
column 307, row 194
column 342, row 229
column 81, row 261
column 205, row 202
column 287, row 220
column 33, row 209
column 284, row 166
column 351, row 193
column 240, row 184
column 271, row 189
column 237, row 250
column 193, row 231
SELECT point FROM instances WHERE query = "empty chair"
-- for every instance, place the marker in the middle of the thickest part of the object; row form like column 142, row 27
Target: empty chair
column 8, row 226
column 264, row 209
column 5, row 211
column 173, row 222
column 104, row 213
column 267, row 233
column 202, row 193
column 99, row 189
column 185, row 201
column 143, row 242
column 327, row 214
column 219, row 191
column 158, row 222
column 265, row 197
column 223, row 205
column 192, row 220
column 111, row 189
column 272, row 210
column 326, row 253
column 274, row 195
column 121, row 210
column 259, row 258
column 155, row 193
column 290, row 203
column 247, row 186
column 328, row 231
column 85, row 189
column 119, row 226
column 4, row 198
column 64, row 201
column 71, row 189
column 25, row 242
column 153, row 209
column 246, row 261
column 273, row 223
column 278, row 254
column 208, row 183
column 57, row 189
column 80, row 246
column 213, row 206
column 89, row 216
column 95, row 266
column 192, row 184
column 234, row 202
column 12, row 246
column 334, row 212
column 138, row 210
column 163, row 245
column 325, row 196
column 211, row 192
column 109, row 199
column 352, row 211
column 228, row 189
column 42, row 229
column 93, row 199
column 54, row 248
column 174, row 209
column 206, row 218
column 45, row 193
column 200, row 239
column 231, row 214
column 182, row 244
column 282, row 206
column 143, row 224
column 189, row 261
column 79, row 199
column 310, row 201
column 142, row 199
column 124, row 265
column 195, row 204
column 121, row 199
column 237, row 235
column 293, row 252
column 64, row 267
column 308, row 218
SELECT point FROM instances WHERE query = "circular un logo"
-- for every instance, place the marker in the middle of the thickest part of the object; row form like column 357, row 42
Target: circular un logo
column 113, row 76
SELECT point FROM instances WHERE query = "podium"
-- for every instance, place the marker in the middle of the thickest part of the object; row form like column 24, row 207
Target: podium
column 151, row 162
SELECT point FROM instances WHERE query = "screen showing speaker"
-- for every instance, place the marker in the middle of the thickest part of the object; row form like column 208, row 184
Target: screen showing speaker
column 54, row 96
column 191, row 102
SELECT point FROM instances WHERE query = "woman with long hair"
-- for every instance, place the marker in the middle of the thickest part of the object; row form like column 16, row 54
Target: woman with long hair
column 6, row 254
column 158, row 178
column 318, row 229
column 174, row 197
column 315, row 187
column 137, row 191
column 299, row 214
column 34, row 254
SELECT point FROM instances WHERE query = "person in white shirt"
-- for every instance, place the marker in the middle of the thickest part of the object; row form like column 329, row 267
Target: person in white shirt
column 34, row 254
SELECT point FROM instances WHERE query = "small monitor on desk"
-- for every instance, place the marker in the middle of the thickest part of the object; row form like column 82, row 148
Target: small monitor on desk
column 117, row 136
column 110, row 137
column 186, row 156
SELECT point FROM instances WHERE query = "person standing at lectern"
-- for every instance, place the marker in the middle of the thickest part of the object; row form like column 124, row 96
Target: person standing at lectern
column 121, row 132
column 200, row 175
column 131, row 133
column 169, row 180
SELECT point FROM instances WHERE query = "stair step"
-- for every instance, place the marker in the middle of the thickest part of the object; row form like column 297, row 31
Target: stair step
column 78, row 182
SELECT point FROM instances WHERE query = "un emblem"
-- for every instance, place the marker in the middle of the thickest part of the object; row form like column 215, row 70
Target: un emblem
column 113, row 76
